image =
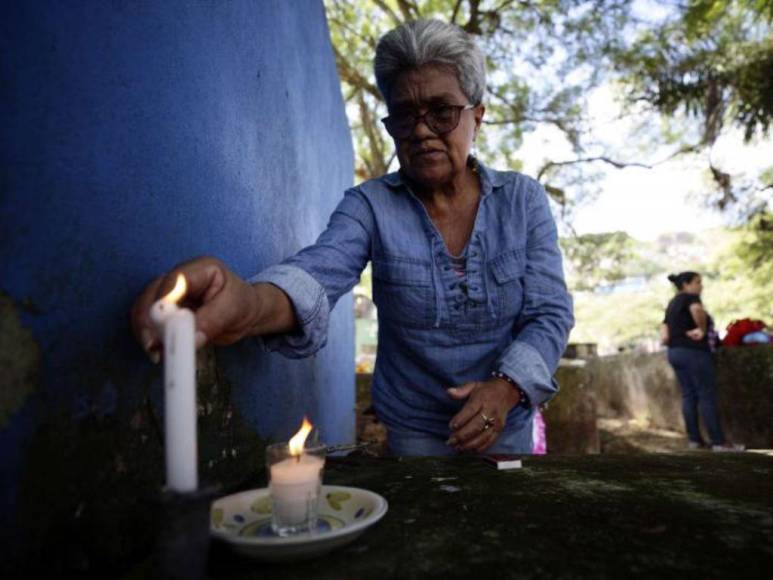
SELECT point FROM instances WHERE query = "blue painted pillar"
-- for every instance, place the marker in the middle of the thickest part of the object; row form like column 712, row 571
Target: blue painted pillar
column 135, row 136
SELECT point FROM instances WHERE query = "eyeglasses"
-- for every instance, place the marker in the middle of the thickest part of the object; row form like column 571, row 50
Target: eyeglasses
column 441, row 119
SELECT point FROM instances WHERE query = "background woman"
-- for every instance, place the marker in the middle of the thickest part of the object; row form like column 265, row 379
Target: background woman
column 685, row 331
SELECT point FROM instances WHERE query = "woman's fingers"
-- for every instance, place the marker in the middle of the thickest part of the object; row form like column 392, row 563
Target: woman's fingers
column 481, row 425
column 481, row 442
column 206, row 279
column 462, row 392
column 144, row 330
column 468, row 411
column 224, row 304
column 482, row 418
column 205, row 276
column 469, row 430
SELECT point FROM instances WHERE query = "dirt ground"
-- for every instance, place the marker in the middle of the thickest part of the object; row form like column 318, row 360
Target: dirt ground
column 620, row 436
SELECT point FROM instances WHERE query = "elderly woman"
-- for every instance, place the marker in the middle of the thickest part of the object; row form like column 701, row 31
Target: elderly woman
column 467, row 277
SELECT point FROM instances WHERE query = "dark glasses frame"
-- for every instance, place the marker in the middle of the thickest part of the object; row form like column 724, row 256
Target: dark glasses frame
column 399, row 130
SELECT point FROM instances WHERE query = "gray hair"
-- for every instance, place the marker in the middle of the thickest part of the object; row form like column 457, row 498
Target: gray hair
column 415, row 44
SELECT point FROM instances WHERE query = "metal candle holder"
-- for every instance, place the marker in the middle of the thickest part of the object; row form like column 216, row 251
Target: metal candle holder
column 182, row 534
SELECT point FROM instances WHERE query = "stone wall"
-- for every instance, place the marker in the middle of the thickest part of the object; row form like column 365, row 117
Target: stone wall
column 570, row 418
column 643, row 386
column 135, row 136
column 637, row 386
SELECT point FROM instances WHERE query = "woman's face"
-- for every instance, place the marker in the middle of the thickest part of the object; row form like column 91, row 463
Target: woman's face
column 694, row 286
column 428, row 158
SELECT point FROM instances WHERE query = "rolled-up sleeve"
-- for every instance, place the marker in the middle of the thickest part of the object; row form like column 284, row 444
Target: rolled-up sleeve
column 317, row 276
column 542, row 329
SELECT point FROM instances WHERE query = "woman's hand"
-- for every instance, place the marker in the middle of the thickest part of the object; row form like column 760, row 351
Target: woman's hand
column 491, row 399
column 696, row 334
column 225, row 306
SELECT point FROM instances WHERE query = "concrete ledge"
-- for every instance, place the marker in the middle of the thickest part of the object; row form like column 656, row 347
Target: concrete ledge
column 697, row 515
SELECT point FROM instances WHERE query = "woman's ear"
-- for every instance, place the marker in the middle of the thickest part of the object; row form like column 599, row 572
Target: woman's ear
column 479, row 113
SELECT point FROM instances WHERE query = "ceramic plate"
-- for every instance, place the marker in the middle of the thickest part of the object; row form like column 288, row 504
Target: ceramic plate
column 243, row 520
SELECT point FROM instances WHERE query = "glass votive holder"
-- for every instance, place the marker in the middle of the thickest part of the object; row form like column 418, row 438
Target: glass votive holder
column 294, row 482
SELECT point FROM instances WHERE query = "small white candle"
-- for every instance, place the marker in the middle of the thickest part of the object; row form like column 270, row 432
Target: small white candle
column 178, row 326
column 295, row 481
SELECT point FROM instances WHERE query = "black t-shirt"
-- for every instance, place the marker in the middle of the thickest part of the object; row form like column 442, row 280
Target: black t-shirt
column 679, row 321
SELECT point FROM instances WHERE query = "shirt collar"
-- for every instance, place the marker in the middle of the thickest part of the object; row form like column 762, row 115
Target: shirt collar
column 489, row 179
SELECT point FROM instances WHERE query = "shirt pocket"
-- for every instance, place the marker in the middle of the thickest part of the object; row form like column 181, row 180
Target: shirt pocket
column 508, row 270
column 402, row 292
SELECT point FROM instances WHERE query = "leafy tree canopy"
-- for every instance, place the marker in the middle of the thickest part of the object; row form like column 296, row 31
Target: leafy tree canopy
column 710, row 64
column 706, row 66
column 543, row 57
column 703, row 68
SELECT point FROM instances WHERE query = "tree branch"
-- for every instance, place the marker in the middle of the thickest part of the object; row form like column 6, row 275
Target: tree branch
column 551, row 120
column 473, row 24
column 681, row 151
column 391, row 13
column 725, row 183
column 369, row 40
column 602, row 158
column 455, row 12
column 394, row 154
column 376, row 164
column 409, row 10
column 620, row 164
column 507, row 3
column 350, row 75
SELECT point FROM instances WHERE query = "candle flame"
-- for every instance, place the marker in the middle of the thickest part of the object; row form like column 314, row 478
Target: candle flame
column 299, row 439
column 179, row 290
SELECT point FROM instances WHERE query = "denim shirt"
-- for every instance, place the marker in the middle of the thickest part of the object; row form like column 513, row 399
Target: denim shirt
column 510, row 311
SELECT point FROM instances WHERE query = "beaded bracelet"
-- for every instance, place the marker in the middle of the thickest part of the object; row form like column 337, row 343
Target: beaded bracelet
column 524, row 401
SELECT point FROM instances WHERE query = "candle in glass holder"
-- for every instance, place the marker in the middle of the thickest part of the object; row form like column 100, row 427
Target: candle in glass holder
column 177, row 326
column 295, row 473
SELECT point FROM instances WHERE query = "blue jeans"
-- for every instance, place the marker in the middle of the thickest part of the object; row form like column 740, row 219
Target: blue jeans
column 695, row 371
column 403, row 442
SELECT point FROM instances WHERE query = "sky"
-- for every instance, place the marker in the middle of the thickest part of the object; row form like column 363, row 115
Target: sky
column 645, row 202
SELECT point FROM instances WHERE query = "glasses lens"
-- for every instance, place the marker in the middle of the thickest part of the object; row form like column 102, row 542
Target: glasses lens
column 399, row 126
column 443, row 119
column 440, row 120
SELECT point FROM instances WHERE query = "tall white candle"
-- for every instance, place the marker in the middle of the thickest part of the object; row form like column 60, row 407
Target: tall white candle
column 178, row 326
